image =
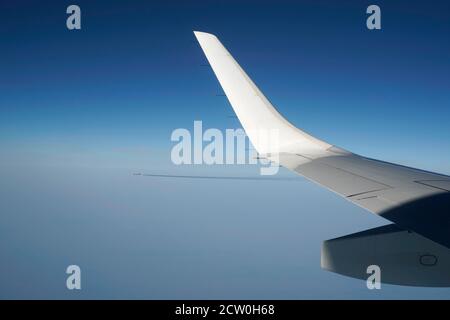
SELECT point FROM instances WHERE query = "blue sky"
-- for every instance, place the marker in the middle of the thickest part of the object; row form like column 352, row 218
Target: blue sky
column 108, row 96
column 134, row 73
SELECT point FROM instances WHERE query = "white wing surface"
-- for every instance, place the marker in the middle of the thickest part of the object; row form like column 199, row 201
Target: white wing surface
column 414, row 199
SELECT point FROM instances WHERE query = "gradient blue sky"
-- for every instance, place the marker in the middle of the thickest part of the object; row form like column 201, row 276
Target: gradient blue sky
column 85, row 103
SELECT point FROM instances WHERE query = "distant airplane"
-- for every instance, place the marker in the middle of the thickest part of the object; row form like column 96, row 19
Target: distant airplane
column 415, row 200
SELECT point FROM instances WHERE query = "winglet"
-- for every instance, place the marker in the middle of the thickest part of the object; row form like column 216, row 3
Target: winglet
column 268, row 131
column 203, row 34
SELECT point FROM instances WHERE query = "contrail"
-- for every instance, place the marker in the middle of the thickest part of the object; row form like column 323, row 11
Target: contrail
column 216, row 177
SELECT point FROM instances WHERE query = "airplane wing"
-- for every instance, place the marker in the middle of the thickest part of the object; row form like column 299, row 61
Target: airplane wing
column 414, row 199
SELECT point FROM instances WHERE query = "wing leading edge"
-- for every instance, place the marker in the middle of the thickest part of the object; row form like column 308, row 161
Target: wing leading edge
column 414, row 199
